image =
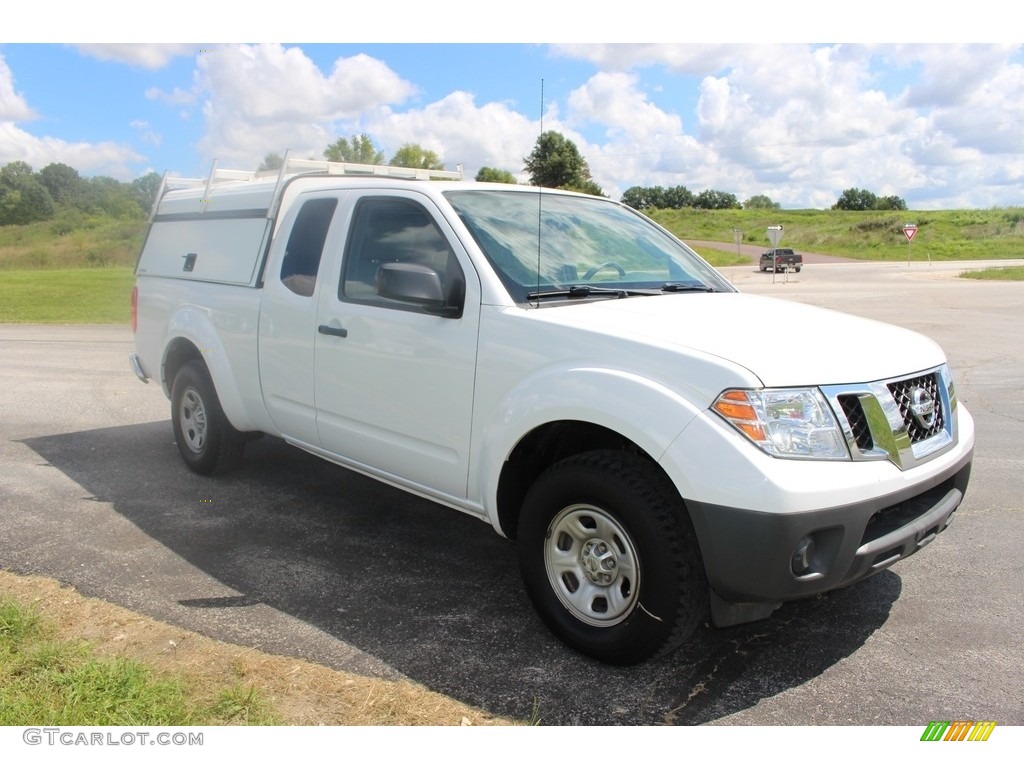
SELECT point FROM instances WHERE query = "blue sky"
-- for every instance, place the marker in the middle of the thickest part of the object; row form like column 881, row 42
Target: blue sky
column 937, row 122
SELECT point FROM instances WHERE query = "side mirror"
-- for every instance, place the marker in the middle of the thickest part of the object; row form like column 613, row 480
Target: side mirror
column 417, row 284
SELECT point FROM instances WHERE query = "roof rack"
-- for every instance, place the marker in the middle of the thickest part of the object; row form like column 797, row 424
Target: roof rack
column 291, row 167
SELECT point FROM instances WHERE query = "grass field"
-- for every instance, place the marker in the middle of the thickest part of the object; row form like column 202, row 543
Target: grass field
column 996, row 273
column 77, row 268
column 995, row 233
column 84, row 295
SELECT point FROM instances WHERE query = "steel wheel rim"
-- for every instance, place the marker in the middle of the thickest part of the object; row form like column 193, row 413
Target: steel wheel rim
column 192, row 418
column 592, row 565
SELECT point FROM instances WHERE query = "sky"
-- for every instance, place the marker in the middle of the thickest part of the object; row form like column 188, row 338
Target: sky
column 937, row 122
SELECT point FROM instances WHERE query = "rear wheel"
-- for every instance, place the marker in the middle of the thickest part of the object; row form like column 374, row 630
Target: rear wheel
column 609, row 557
column 206, row 440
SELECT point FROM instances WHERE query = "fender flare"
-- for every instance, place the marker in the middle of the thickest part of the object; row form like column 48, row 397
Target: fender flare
column 643, row 411
column 194, row 326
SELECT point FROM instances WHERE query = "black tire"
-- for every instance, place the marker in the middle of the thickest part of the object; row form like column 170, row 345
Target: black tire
column 609, row 557
column 207, row 442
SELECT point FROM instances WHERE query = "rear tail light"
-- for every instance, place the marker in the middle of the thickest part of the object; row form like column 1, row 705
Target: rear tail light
column 135, row 308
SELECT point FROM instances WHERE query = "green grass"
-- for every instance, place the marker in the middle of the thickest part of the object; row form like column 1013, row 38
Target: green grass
column 45, row 682
column 876, row 235
column 98, row 295
column 722, row 257
column 996, row 273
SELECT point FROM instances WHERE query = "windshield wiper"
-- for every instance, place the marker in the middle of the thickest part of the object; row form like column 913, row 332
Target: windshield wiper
column 687, row 287
column 577, row 292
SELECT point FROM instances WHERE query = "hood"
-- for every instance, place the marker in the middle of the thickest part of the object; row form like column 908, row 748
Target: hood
column 783, row 343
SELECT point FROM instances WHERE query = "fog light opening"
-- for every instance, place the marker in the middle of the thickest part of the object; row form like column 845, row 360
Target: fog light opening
column 803, row 557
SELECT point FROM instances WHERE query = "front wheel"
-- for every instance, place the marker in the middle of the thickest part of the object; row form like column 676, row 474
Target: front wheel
column 206, row 440
column 609, row 557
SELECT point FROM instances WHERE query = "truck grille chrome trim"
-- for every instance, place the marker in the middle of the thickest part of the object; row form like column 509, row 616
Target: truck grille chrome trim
column 908, row 420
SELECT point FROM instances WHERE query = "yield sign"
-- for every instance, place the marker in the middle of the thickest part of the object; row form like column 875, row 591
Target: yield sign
column 910, row 230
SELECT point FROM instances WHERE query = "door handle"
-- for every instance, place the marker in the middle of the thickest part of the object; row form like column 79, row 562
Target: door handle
column 329, row 330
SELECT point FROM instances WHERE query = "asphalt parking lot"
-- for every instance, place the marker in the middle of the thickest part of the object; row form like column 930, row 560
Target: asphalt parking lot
column 295, row 556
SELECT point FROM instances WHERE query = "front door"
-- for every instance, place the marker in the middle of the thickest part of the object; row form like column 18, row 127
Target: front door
column 394, row 378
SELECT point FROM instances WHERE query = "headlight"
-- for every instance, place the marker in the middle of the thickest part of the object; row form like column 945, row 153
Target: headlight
column 788, row 423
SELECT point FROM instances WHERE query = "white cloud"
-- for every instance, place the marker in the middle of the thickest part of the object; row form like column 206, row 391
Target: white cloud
column 176, row 97
column 461, row 132
column 683, row 58
column 12, row 104
column 265, row 98
column 803, row 122
column 107, row 158
column 145, row 55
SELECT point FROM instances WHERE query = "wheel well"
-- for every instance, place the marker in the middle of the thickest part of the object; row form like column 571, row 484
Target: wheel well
column 543, row 447
column 179, row 352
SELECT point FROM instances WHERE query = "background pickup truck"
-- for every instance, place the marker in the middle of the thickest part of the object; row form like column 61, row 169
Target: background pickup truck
column 781, row 259
column 561, row 367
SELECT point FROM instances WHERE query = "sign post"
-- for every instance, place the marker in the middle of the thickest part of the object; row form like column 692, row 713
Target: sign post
column 774, row 236
column 909, row 230
column 737, row 236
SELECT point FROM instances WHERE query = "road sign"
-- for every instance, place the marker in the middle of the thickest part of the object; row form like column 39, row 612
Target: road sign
column 774, row 235
column 910, row 230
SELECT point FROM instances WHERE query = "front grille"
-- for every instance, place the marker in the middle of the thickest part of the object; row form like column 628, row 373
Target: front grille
column 919, row 428
column 905, row 420
column 858, row 421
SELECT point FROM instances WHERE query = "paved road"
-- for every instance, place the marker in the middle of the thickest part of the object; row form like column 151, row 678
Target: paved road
column 295, row 556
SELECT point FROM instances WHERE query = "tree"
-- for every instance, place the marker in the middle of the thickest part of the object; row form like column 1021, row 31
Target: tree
column 642, row 198
column 359, row 150
column 891, row 203
column 658, row 197
column 556, row 162
column 713, row 199
column 495, row 174
column 102, row 193
column 271, row 162
column 854, row 199
column 678, row 197
column 145, row 189
column 760, row 201
column 23, row 198
column 415, row 156
column 62, row 182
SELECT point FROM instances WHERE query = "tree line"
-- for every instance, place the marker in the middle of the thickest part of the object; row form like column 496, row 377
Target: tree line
column 555, row 161
column 27, row 196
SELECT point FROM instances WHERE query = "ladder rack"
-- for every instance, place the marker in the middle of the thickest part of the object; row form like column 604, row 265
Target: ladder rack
column 291, row 167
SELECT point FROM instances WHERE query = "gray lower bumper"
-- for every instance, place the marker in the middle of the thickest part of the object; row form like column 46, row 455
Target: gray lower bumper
column 755, row 560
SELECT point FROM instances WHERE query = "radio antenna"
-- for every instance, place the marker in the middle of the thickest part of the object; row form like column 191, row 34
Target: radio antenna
column 540, row 189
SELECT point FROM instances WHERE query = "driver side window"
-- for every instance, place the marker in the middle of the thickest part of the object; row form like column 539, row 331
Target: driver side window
column 396, row 231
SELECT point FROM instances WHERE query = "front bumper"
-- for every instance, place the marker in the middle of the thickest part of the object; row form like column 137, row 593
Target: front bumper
column 756, row 560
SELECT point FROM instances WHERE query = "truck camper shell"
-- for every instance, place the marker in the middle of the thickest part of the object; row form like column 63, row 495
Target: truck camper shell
column 218, row 228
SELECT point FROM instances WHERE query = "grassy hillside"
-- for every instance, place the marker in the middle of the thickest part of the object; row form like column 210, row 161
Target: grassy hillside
column 877, row 235
column 77, row 268
column 70, row 241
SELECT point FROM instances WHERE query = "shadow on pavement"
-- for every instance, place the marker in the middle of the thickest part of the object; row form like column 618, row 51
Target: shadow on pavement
column 431, row 592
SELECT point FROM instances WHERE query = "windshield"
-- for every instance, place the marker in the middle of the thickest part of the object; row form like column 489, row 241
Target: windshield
column 583, row 241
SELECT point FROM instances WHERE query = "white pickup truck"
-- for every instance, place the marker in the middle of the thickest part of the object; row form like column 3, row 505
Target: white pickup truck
column 561, row 367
